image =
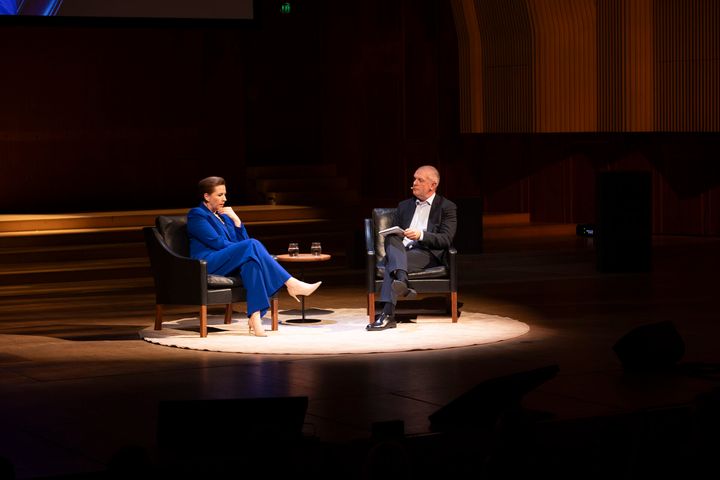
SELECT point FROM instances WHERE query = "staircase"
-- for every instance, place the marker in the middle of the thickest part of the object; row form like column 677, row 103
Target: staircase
column 103, row 252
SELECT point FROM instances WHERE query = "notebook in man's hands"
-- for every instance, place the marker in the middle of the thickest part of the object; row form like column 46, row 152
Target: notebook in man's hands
column 392, row 231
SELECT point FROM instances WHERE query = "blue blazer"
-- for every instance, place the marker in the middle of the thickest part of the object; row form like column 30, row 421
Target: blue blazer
column 209, row 235
column 228, row 250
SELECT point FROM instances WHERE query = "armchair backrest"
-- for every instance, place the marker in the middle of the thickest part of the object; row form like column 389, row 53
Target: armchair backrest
column 382, row 218
column 179, row 279
column 173, row 230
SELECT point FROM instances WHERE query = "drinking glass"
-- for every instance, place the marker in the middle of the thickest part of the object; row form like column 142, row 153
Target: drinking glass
column 293, row 249
column 316, row 249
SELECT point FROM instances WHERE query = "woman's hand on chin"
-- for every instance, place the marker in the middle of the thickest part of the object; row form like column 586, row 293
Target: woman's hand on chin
column 233, row 216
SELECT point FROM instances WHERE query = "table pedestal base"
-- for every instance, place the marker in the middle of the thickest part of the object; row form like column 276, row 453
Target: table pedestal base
column 302, row 310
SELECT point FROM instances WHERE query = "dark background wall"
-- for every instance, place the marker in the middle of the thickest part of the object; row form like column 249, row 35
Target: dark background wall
column 115, row 118
column 130, row 116
column 552, row 176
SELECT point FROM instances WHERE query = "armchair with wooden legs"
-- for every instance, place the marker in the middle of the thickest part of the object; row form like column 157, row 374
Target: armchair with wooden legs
column 439, row 279
column 181, row 280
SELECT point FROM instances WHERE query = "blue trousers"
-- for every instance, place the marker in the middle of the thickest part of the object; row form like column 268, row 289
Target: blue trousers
column 261, row 274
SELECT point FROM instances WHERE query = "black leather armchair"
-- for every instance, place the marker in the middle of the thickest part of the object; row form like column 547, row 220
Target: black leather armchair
column 181, row 280
column 440, row 279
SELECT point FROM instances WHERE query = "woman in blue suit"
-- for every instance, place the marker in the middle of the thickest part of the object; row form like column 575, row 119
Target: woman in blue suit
column 218, row 236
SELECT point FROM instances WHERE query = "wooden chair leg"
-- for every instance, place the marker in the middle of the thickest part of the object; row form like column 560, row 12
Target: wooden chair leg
column 203, row 320
column 371, row 307
column 453, row 306
column 158, row 316
column 228, row 314
column 274, row 312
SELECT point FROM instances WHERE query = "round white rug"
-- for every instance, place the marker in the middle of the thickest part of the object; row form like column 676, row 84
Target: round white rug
column 340, row 331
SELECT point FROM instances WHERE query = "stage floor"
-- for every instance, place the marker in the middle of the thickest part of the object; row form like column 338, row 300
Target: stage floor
column 79, row 384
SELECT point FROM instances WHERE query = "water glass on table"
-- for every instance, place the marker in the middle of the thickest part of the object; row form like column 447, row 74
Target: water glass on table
column 293, row 249
column 315, row 249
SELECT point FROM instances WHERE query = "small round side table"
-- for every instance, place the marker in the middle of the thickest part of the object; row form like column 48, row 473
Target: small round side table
column 303, row 258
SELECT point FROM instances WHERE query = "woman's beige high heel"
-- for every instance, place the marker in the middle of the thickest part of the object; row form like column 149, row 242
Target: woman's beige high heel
column 255, row 324
column 297, row 288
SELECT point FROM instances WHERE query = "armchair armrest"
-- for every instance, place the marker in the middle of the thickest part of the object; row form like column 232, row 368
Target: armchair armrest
column 452, row 268
column 370, row 255
column 369, row 236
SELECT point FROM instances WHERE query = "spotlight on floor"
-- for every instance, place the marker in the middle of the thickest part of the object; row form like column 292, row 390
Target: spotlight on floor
column 483, row 405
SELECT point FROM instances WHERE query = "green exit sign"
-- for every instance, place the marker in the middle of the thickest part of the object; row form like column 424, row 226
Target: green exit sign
column 285, row 8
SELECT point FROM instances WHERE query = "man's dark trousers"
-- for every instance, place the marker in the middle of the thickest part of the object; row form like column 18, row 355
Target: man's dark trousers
column 397, row 257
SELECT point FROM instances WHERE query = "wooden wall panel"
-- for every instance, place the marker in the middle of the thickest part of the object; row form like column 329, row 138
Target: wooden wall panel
column 564, row 65
column 104, row 119
column 687, row 43
column 371, row 87
column 611, row 65
column 420, row 56
column 625, row 65
column 344, row 111
column 638, row 61
column 390, row 93
column 504, row 27
column 470, row 62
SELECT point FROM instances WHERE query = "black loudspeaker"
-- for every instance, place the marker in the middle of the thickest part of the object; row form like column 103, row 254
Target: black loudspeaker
column 481, row 406
column 197, row 428
column 653, row 347
column 623, row 237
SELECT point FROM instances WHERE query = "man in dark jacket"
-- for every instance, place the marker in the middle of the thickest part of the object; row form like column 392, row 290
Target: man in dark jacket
column 429, row 222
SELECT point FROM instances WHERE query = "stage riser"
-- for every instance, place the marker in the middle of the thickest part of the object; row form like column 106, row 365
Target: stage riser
column 25, row 256
column 107, row 246
column 43, row 261
column 70, row 239
column 74, row 274
column 31, row 293
column 115, row 220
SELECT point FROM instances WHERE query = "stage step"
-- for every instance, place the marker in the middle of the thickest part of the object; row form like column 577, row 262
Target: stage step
column 14, row 295
column 30, row 254
column 41, row 254
column 26, row 225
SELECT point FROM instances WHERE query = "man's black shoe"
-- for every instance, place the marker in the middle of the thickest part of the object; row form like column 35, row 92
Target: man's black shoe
column 401, row 290
column 382, row 322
